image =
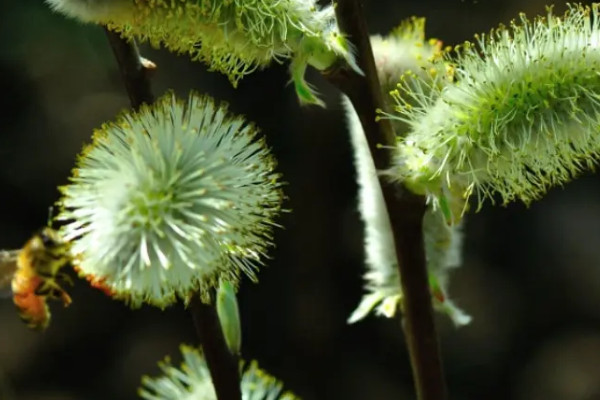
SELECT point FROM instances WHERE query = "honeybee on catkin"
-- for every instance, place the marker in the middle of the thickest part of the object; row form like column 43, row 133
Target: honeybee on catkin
column 35, row 273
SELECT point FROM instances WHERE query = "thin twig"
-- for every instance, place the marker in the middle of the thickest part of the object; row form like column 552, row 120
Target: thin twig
column 223, row 366
column 135, row 70
column 405, row 209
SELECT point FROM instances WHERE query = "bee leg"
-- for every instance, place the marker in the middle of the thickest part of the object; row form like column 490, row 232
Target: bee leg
column 45, row 275
column 54, row 294
column 66, row 299
column 59, row 294
column 54, row 291
column 65, row 278
column 43, row 289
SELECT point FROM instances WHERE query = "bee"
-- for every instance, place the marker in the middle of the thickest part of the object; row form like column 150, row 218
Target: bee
column 34, row 274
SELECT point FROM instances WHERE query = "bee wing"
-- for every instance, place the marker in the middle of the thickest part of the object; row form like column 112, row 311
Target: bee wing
column 8, row 267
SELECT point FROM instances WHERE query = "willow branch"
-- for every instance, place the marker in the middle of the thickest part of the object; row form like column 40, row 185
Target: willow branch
column 223, row 366
column 135, row 70
column 404, row 208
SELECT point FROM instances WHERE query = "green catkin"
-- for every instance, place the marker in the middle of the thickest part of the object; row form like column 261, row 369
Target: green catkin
column 522, row 115
column 192, row 381
column 170, row 200
column 404, row 52
column 234, row 37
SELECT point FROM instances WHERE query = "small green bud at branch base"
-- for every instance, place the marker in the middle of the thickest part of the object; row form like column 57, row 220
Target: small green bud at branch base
column 229, row 316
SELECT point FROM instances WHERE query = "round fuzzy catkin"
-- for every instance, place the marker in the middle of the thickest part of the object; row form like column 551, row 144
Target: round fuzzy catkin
column 169, row 200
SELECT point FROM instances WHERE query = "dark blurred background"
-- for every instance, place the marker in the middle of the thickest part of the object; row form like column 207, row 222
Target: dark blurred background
column 531, row 277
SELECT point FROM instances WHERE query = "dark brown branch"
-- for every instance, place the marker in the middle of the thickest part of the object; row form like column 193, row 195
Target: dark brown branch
column 135, row 70
column 405, row 209
column 363, row 91
column 223, row 366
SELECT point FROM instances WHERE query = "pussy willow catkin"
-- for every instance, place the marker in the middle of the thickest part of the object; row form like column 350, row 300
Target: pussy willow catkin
column 405, row 49
column 193, row 381
column 168, row 201
column 234, row 37
column 522, row 115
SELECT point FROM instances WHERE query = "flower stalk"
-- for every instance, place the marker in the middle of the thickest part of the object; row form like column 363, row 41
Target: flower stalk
column 405, row 209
